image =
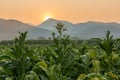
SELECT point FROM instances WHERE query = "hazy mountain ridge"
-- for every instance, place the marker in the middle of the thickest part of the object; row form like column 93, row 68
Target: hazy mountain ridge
column 51, row 23
column 9, row 28
column 91, row 29
column 94, row 29
column 39, row 33
column 44, row 30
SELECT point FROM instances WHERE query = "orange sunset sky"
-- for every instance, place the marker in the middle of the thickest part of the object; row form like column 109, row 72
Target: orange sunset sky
column 36, row 11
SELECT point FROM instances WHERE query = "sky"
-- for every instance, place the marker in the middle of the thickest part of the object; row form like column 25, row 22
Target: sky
column 75, row 11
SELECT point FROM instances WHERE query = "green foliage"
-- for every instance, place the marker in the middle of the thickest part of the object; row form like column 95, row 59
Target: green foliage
column 46, row 72
column 62, row 59
column 107, row 44
column 32, row 76
column 17, row 62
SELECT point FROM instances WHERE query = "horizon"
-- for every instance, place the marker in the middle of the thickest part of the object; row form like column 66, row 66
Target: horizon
column 59, row 20
column 37, row 11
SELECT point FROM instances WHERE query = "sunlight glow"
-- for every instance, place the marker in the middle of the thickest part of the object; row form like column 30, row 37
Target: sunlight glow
column 47, row 17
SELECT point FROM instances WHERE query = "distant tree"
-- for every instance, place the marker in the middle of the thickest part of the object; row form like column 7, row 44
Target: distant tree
column 41, row 38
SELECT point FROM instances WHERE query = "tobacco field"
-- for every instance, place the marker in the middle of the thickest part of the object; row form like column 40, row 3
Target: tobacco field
column 63, row 59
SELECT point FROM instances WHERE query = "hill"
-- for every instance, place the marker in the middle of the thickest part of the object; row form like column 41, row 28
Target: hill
column 10, row 28
column 90, row 29
column 51, row 23
column 39, row 33
column 93, row 30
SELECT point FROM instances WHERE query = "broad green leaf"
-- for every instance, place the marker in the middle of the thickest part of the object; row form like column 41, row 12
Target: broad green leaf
column 81, row 77
column 52, row 51
column 95, row 78
column 85, row 59
column 32, row 76
column 91, row 53
column 114, row 56
column 52, row 61
column 114, row 76
column 42, row 64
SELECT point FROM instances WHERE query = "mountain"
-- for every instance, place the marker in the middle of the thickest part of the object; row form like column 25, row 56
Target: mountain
column 39, row 33
column 9, row 28
column 51, row 23
column 93, row 30
column 90, row 29
column 44, row 30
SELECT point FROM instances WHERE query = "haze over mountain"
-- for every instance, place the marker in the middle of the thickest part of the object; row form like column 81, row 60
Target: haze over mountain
column 45, row 29
column 51, row 23
column 90, row 29
column 39, row 33
column 9, row 28
column 94, row 30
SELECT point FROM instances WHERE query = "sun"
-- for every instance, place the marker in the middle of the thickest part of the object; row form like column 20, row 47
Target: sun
column 47, row 17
